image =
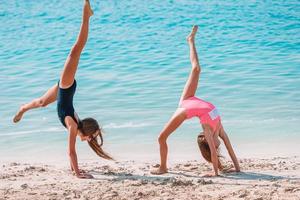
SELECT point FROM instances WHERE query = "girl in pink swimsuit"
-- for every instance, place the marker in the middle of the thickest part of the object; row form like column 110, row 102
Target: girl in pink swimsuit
column 191, row 106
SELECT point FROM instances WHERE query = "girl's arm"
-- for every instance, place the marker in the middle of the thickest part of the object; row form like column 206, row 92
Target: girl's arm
column 213, row 150
column 229, row 148
column 72, row 127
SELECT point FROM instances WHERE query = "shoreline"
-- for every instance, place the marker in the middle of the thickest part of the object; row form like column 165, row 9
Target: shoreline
column 178, row 151
column 277, row 177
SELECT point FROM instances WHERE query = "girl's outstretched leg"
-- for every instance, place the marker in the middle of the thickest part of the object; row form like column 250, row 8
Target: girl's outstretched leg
column 48, row 98
column 176, row 120
column 70, row 67
column 192, row 82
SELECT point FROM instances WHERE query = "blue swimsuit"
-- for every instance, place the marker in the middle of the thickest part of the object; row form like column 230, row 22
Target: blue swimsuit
column 65, row 103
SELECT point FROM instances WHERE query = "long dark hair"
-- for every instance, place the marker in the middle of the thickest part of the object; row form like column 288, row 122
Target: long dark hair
column 89, row 127
column 205, row 150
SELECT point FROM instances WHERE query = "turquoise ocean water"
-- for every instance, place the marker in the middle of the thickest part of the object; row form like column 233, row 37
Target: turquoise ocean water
column 135, row 65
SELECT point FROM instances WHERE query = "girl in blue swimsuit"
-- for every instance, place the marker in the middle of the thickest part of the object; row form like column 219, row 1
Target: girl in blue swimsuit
column 87, row 129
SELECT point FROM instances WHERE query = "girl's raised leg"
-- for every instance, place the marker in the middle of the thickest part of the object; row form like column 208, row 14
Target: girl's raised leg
column 70, row 67
column 192, row 82
column 48, row 98
column 180, row 115
column 176, row 120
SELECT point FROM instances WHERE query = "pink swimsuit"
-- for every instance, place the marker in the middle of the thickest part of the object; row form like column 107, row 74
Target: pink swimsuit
column 206, row 111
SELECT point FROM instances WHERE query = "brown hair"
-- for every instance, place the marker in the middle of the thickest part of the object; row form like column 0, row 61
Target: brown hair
column 88, row 127
column 205, row 150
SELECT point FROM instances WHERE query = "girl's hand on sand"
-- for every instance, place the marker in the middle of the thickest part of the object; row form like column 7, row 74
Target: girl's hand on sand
column 212, row 174
column 232, row 170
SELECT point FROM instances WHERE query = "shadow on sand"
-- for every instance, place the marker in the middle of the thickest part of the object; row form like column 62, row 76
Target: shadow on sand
column 170, row 177
column 256, row 176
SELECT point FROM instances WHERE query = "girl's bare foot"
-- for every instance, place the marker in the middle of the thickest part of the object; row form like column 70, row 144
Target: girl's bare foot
column 159, row 171
column 191, row 36
column 19, row 115
column 211, row 174
column 87, row 7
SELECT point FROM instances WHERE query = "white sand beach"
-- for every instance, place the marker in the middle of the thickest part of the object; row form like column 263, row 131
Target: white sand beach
column 260, row 179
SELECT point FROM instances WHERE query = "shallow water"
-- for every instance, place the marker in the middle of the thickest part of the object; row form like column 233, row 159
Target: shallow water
column 135, row 65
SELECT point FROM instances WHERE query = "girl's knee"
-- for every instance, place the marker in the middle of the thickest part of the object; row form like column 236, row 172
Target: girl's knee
column 42, row 102
column 162, row 139
column 196, row 68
